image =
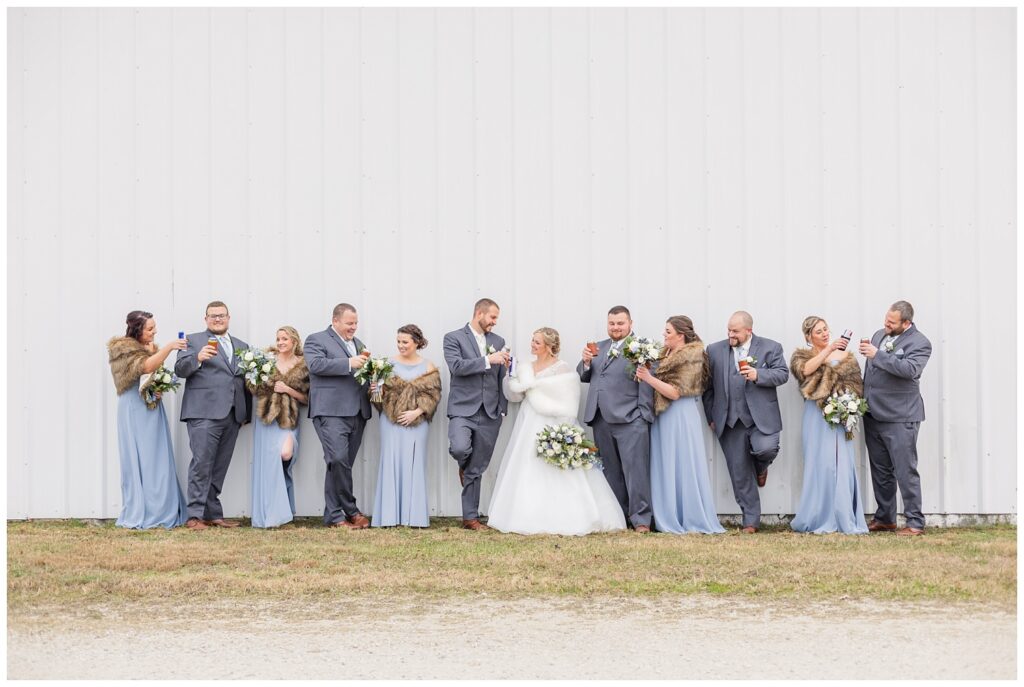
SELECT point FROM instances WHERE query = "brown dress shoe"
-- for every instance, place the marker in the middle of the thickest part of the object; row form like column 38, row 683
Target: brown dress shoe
column 474, row 525
column 749, row 530
column 344, row 524
column 359, row 521
column 909, row 532
column 879, row 526
column 642, row 529
column 195, row 524
column 762, row 477
column 220, row 522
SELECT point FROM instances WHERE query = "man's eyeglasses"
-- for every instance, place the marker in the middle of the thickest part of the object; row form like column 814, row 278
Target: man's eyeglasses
column 217, row 317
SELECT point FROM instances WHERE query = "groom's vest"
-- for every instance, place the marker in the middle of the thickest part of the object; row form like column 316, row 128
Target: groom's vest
column 739, row 410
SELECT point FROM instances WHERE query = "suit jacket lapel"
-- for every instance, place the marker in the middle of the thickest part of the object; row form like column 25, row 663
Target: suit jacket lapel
column 337, row 340
column 755, row 348
column 603, row 351
column 471, row 340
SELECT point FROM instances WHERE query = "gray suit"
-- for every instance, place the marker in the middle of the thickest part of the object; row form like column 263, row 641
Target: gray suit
column 214, row 404
column 895, row 412
column 746, row 416
column 475, row 409
column 339, row 407
column 620, row 411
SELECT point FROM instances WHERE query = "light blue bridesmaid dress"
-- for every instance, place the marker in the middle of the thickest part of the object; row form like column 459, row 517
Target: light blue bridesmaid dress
column 830, row 500
column 681, row 495
column 273, row 497
column 150, row 493
column 401, row 497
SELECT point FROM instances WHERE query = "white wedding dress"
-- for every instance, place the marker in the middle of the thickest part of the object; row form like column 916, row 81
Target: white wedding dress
column 532, row 496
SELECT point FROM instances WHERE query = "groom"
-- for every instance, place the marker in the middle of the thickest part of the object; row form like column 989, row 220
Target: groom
column 475, row 403
column 619, row 410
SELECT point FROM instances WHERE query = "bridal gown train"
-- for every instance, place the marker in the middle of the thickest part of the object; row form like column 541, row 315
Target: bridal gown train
column 535, row 497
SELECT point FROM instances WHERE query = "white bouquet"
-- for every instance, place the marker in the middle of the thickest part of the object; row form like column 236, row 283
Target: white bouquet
column 844, row 409
column 377, row 370
column 640, row 351
column 258, row 366
column 161, row 381
column 565, row 447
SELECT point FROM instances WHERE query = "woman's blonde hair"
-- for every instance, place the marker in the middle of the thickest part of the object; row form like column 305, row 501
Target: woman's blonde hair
column 809, row 324
column 550, row 338
column 293, row 334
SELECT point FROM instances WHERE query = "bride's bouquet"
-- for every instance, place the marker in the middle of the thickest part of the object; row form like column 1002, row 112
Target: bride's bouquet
column 565, row 447
column 161, row 381
column 844, row 409
column 640, row 351
column 375, row 370
column 258, row 366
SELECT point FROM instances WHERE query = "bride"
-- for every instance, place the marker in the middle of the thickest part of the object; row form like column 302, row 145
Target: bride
column 532, row 496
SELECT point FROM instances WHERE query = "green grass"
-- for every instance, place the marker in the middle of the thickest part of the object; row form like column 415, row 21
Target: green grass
column 75, row 563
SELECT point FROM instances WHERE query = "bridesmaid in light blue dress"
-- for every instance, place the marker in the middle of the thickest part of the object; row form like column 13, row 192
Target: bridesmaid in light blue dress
column 276, row 432
column 681, row 494
column 831, row 499
column 150, row 493
column 410, row 398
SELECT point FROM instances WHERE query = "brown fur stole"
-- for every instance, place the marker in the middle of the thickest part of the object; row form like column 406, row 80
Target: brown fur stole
column 687, row 370
column 280, row 407
column 423, row 392
column 126, row 357
column 827, row 379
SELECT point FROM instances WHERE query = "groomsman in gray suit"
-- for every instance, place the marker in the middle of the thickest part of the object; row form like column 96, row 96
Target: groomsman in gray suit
column 620, row 411
column 339, row 407
column 476, row 405
column 742, row 407
column 214, row 404
column 896, row 356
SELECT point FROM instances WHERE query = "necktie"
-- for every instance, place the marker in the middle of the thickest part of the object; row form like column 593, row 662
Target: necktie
column 225, row 343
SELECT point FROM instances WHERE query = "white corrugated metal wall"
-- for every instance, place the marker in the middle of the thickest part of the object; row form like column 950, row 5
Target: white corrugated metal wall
column 692, row 161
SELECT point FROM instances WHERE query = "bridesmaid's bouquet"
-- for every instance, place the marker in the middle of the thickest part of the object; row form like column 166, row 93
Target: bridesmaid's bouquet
column 565, row 447
column 375, row 370
column 640, row 351
column 845, row 409
column 258, row 366
column 161, row 381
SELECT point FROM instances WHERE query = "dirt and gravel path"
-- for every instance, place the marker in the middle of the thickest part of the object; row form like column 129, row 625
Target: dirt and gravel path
column 682, row 637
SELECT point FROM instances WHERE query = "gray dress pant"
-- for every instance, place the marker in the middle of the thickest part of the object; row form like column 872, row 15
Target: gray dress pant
column 212, row 443
column 892, row 453
column 625, row 450
column 747, row 453
column 471, row 443
column 340, row 438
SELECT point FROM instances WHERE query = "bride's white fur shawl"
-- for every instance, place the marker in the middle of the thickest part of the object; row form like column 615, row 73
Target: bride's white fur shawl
column 557, row 395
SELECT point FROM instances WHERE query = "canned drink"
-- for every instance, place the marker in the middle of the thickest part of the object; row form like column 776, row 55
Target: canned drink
column 847, row 334
column 511, row 365
column 181, row 335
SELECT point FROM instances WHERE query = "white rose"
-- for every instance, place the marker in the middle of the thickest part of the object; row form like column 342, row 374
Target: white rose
column 166, row 379
column 852, row 405
column 828, row 408
column 266, row 367
column 549, row 452
column 248, row 356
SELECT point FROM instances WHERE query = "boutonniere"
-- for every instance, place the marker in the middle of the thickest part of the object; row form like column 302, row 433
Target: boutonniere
column 750, row 360
column 889, row 345
column 614, row 352
column 490, row 349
